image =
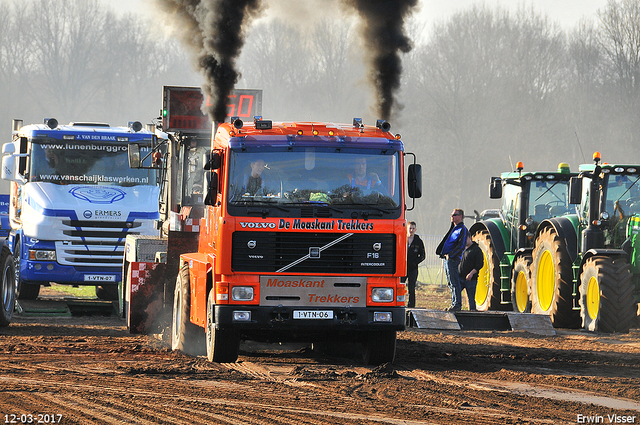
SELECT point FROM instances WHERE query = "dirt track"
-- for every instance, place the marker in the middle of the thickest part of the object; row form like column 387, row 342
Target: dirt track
column 89, row 370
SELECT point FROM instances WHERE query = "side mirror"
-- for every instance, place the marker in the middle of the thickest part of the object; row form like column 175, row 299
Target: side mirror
column 211, row 187
column 414, row 180
column 8, row 167
column 215, row 161
column 495, row 188
column 575, row 190
column 8, row 149
column 134, row 155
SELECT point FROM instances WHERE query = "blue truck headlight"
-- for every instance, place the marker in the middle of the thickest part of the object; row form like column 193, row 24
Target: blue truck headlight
column 382, row 295
column 42, row 255
column 242, row 293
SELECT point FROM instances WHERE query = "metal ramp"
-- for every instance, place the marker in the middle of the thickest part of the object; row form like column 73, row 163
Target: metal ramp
column 64, row 308
column 478, row 321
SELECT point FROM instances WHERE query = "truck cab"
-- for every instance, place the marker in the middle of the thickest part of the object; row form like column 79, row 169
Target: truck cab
column 303, row 239
column 73, row 201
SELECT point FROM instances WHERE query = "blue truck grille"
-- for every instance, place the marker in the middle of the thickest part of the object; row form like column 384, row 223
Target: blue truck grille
column 91, row 243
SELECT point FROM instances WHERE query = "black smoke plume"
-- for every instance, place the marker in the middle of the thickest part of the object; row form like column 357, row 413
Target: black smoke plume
column 215, row 31
column 384, row 38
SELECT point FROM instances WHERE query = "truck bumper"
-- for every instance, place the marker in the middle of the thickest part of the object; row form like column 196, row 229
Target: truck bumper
column 271, row 324
column 39, row 272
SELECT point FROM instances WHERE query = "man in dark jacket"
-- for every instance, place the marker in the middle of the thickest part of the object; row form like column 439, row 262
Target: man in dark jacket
column 415, row 255
column 451, row 248
column 471, row 263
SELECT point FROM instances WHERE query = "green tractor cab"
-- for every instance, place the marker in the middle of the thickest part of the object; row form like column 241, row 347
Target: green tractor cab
column 528, row 198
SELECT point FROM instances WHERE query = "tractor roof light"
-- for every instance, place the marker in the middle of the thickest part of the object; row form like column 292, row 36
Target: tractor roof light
column 519, row 166
column 596, row 157
column 563, row 168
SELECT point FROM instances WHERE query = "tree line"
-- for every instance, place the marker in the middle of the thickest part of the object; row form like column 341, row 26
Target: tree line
column 481, row 90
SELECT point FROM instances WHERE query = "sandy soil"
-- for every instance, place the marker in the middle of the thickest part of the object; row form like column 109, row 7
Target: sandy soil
column 89, row 370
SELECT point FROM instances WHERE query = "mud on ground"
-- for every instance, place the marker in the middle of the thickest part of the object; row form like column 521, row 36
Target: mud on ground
column 89, row 370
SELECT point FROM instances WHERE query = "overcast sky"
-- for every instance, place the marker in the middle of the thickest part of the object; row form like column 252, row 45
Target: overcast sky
column 567, row 12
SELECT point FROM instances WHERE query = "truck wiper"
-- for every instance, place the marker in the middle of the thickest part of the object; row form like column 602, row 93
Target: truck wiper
column 320, row 204
column 379, row 211
column 266, row 211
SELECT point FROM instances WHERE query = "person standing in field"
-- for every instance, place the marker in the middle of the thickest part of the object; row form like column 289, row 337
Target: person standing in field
column 451, row 248
column 415, row 255
column 470, row 264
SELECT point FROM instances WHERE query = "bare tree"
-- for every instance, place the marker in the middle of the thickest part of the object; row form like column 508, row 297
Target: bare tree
column 68, row 48
column 620, row 39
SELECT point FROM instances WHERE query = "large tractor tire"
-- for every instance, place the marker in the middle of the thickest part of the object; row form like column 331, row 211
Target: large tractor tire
column 521, row 284
column 607, row 303
column 8, row 291
column 185, row 336
column 488, row 286
column 379, row 348
column 222, row 345
column 551, row 280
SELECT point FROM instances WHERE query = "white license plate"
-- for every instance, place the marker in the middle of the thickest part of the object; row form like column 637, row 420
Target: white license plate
column 99, row 278
column 313, row 314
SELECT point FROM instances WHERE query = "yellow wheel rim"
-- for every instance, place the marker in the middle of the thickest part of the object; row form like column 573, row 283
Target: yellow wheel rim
column 521, row 292
column 545, row 280
column 593, row 298
column 484, row 280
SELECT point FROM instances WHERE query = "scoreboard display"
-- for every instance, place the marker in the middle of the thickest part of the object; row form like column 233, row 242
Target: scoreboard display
column 182, row 107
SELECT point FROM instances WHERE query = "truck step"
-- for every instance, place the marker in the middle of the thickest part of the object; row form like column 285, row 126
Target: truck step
column 476, row 321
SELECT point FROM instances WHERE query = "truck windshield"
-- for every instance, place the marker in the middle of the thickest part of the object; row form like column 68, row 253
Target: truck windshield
column 315, row 176
column 74, row 162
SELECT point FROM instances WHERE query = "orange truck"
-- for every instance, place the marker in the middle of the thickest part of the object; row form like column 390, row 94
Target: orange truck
column 302, row 239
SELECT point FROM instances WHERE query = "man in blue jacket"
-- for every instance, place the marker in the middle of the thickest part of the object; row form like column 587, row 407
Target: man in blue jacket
column 451, row 248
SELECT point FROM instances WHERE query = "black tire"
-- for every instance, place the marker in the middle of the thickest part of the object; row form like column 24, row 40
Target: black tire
column 488, row 286
column 185, row 336
column 607, row 303
column 107, row 293
column 379, row 348
column 8, row 292
column 521, row 284
column 23, row 291
column 222, row 345
column 552, row 280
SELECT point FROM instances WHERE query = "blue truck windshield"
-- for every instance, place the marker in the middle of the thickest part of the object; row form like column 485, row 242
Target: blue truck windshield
column 315, row 176
column 74, row 162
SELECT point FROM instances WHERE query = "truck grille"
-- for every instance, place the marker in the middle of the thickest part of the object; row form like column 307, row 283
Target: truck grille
column 91, row 243
column 353, row 253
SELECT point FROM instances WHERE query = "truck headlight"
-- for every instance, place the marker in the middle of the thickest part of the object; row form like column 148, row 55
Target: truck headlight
column 41, row 255
column 382, row 295
column 242, row 293
column 382, row 316
column 241, row 316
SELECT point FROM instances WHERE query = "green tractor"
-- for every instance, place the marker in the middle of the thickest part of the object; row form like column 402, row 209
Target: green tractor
column 528, row 198
column 585, row 267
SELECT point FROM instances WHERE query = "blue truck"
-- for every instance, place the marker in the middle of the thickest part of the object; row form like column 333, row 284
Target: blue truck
column 73, row 201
